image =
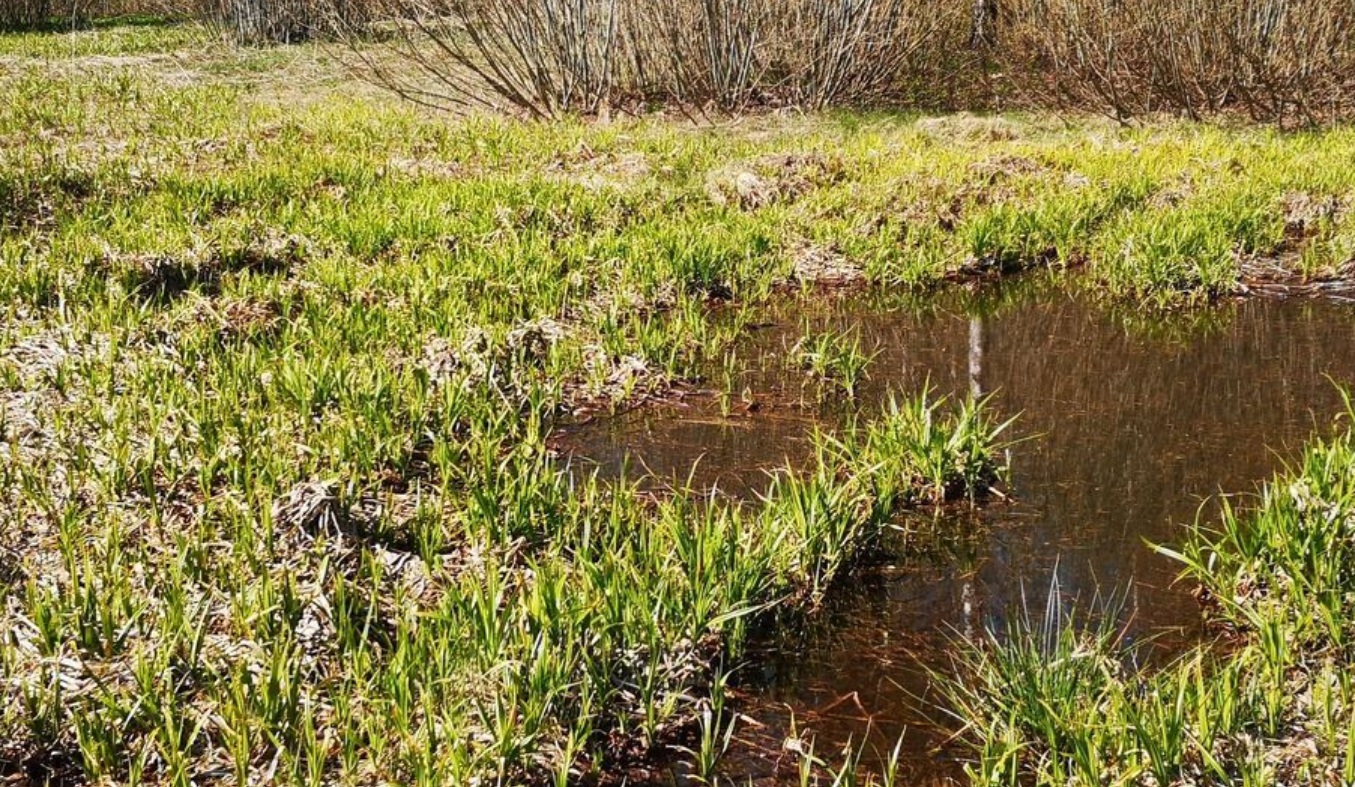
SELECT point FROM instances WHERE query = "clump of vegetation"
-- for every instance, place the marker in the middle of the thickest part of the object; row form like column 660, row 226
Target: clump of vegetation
column 834, row 359
column 491, row 620
column 950, row 452
column 1053, row 702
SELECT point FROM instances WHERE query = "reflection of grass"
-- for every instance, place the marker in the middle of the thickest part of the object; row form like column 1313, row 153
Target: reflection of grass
column 1050, row 703
column 1176, row 327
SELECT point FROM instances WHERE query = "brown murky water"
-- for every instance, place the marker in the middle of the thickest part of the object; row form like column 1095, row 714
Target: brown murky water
column 1136, row 423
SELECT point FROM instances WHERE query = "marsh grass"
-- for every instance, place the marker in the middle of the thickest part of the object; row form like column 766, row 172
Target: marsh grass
column 1059, row 703
column 1169, row 213
column 277, row 380
column 280, row 511
column 832, row 359
column 843, row 768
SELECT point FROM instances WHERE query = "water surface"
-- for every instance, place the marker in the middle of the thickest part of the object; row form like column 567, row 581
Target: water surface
column 1135, row 422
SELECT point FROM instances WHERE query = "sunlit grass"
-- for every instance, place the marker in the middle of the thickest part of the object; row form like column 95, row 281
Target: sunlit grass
column 277, row 379
column 836, row 360
column 119, row 37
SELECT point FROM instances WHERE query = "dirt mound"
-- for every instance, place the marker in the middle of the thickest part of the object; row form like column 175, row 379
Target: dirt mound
column 771, row 179
column 824, row 265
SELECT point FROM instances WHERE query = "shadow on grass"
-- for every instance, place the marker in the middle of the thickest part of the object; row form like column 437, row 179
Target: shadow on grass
column 71, row 25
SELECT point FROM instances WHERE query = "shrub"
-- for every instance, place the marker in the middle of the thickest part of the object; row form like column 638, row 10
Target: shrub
column 548, row 57
column 1276, row 60
column 24, row 14
column 1284, row 61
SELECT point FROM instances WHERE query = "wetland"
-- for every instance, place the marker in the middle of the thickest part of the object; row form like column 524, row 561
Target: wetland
column 1128, row 427
column 347, row 442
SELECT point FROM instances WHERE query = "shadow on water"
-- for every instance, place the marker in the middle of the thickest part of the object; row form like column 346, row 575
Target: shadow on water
column 1138, row 421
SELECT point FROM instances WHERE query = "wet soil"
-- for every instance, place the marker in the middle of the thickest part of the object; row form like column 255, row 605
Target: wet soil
column 1135, row 423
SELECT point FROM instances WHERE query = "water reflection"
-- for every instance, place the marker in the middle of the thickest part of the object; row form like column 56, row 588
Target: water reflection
column 1139, row 421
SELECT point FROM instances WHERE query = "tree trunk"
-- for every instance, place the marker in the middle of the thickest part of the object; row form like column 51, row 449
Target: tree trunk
column 983, row 21
column 266, row 21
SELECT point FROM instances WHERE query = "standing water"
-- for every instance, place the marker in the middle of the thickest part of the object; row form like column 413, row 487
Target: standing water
column 1134, row 423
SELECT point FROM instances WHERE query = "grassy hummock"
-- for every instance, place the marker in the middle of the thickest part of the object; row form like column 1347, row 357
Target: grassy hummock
column 173, row 613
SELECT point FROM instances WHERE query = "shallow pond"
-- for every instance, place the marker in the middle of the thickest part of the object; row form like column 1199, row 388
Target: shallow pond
column 1134, row 422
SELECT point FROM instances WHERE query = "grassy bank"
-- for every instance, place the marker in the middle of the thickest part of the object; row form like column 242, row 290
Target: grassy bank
column 173, row 617
column 277, row 373
column 1055, row 701
column 275, row 390
column 115, row 152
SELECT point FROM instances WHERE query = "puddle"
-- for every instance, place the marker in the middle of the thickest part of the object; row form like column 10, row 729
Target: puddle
column 1139, row 421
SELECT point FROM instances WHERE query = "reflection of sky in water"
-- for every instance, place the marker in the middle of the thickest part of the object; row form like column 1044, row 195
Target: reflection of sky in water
column 1135, row 425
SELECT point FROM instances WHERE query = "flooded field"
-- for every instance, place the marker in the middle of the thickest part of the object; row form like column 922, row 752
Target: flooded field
column 1128, row 425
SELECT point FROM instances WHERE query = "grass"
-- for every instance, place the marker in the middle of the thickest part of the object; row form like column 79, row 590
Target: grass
column 503, row 625
column 1055, row 701
column 833, row 359
column 117, row 37
column 277, row 375
column 277, row 384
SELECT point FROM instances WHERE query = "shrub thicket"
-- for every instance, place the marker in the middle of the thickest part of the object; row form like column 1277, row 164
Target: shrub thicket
column 548, row 57
column 1289, row 61
column 257, row 22
column 16, row 14
column 1274, row 60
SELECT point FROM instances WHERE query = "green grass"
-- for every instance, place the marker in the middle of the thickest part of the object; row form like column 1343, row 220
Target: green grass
column 277, row 376
column 495, row 620
column 277, row 386
column 834, row 360
column 1054, row 701
column 119, row 37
